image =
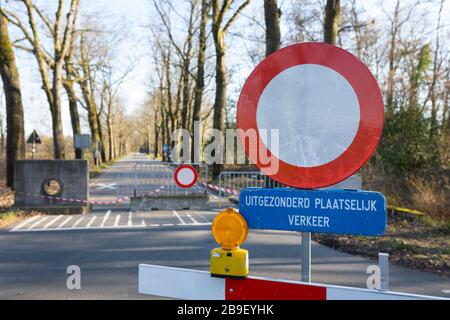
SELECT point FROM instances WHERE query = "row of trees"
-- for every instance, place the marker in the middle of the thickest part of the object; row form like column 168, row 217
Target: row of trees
column 184, row 65
column 406, row 47
column 74, row 57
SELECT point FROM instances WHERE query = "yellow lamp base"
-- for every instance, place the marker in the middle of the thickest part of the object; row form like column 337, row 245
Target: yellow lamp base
column 229, row 264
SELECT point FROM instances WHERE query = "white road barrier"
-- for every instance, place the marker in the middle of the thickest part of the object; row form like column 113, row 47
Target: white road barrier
column 199, row 285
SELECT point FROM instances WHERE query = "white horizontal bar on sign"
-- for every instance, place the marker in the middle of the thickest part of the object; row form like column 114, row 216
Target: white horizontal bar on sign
column 180, row 283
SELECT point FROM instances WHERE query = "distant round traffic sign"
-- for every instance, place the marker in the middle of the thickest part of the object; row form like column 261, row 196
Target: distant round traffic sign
column 185, row 176
column 327, row 108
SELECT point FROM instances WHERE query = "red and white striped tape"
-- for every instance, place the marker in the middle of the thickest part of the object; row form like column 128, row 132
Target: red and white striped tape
column 199, row 285
column 224, row 190
column 72, row 200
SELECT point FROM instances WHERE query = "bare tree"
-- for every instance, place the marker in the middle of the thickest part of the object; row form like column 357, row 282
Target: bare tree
column 87, row 83
column 396, row 22
column 219, row 30
column 272, row 18
column 109, row 99
column 50, row 63
column 15, row 145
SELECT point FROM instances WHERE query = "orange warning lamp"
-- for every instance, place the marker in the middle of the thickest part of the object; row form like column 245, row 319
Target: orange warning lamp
column 230, row 230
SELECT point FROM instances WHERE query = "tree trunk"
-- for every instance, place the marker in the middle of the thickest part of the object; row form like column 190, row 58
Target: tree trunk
column 100, row 134
column 332, row 21
column 219, row 29
column 392, row 54
column 273, row 34
column 221, row 93
column 58, row 135
column 170, row 112
column 2, row 137
column 15, row 145
column 109, row 124
column 92, row 116
column 156, row 143
column 186, row 69
column 74, row 115
column 200, row 82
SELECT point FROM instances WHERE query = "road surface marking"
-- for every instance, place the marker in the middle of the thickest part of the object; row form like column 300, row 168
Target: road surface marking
column 179, row 218
column 116, row 222
column 35, row 224
column 446, row 291
column 53, row 221
column 192, row 219
column 64, row 222
column 103, row 186
column 130, row 219
column 201, row 216
column 110, row 228
column 91, row 222
column 105, row 218
column 25, row 222
column 78, row 222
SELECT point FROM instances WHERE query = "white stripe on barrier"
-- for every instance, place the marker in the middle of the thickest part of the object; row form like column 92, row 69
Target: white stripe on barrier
column 180, row 283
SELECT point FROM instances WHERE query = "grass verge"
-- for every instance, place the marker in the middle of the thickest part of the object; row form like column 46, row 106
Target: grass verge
column 10, row 218
column 420, row 243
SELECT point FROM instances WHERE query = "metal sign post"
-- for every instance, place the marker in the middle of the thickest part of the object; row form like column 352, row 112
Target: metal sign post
column 33, row 140
column 82, row 142
column 306, row 256
column 33, row 150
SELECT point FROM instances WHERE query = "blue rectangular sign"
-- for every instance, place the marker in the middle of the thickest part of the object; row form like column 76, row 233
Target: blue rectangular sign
column 319, row 211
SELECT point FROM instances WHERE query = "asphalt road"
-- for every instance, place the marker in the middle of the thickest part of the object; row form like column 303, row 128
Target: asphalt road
column 35, row 256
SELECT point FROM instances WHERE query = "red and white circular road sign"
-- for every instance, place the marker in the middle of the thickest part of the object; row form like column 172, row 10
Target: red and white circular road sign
column 185, row 176
column 327, row 107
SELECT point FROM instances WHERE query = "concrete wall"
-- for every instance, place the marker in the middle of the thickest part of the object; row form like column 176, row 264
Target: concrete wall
column 30, row 175
column 170, row 202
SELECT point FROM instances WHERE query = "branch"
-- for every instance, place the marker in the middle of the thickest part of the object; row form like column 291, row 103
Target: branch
column 68, row 33
column 235, row 15
column 45, row 19
column 222, row 11
column 14, row 19
column 167, row 26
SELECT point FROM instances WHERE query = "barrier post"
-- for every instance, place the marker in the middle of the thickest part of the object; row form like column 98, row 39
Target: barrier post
column 383, row 262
